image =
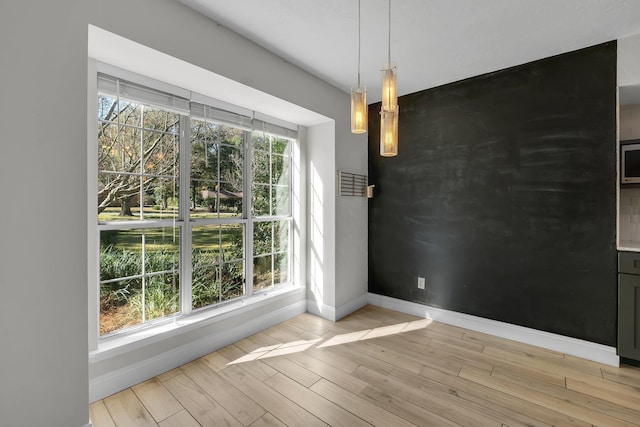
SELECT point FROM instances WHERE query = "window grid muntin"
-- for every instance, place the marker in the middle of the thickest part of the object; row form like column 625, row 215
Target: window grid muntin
column 270, row 185
column 273, row 217
column 141, row 174
column 183, row 215
column 144, row 275
column 273, row 253
column 214, row 138
column 142, row 223
column 221, row 261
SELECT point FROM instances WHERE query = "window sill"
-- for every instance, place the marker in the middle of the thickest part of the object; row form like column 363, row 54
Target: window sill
column 120, row 344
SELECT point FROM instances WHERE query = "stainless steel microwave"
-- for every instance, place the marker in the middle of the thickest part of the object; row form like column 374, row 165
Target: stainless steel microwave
column 630, row 163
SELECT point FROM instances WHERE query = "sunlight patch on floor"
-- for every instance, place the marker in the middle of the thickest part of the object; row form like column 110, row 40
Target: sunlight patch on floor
column 302, row 345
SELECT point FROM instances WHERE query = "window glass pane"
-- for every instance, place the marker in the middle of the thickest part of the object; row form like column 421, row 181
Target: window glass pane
column 231, row 239
column 161, row 248
column 205, row 286
column 120, row 257
column 108, row 146
column 205, row 280
column 161, row 198
column 119, row 149
column 280, row 201
column 107, row 107
column 120, row 254
column 280, row 169
column 130, row 113
column 281, row 145
column 205, row 240
column 281, row 236
column 204, row 172
column 260, row 167
column 116, row 310
column 262, row 238
column 161, row 296
column 260, row 141
column 202, row 130
column 231, row 164
column 118, row 197
column 260, row 200
column 202, row 196
column 262, row 272
column 281, row 268
column 138, row 297
column 232, row 280
column 157, row 119
column 160, row 154
column 230, row 136
column 204, row 161
column 230, row 199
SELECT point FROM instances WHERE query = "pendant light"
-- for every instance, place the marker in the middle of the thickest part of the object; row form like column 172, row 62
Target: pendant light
column 359, row 97
column 389, row 133
column 389, row 111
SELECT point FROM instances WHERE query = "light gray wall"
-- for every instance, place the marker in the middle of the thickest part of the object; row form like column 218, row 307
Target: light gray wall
column 629, row 121
column 629, row 61
column 43, row 267
column 321, row 232
column 352, row 223
column 43, row 249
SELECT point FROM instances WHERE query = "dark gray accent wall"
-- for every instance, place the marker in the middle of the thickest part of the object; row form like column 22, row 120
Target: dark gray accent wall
column 503, row 196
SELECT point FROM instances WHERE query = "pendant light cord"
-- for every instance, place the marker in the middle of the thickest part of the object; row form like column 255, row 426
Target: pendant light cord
column 389, row 64
column 359, row 43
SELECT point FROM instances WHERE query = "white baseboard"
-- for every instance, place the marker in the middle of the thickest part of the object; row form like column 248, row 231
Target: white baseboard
column 337, row 313
column 572, row 346
column 321, row 310
column 351, row 306
column 112, row 382
column 88, row 425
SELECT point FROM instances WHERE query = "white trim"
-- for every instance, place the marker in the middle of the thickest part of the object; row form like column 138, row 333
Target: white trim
column 351, row 306
column 572, row 346
column 336, row 313
column 276, row 121
column 118, row 51
column 216, row 103
column 121, row 344
column 88, row 424
column 142, row 80
column 112, row 382
column 325, row 311
column 93, row 245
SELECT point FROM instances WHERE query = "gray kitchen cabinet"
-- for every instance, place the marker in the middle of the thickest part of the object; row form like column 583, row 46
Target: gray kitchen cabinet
column 629, row 305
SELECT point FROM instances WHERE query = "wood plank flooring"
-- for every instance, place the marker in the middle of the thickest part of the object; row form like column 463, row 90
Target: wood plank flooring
column 378, row 367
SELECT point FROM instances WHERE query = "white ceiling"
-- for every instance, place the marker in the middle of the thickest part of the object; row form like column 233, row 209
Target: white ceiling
column 433, row 42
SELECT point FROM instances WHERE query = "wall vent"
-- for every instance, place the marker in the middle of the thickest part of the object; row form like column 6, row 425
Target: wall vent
column 352, row 184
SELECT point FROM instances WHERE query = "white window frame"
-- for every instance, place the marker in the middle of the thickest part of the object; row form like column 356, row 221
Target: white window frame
column 282, row 129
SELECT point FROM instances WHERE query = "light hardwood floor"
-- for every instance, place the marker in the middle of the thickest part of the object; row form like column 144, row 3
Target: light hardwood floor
column 378, row 367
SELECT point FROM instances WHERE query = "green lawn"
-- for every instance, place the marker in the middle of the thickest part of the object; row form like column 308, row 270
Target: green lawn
column 207, row 238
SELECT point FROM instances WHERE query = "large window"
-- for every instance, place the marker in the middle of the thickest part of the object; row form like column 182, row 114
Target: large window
column 191, row 199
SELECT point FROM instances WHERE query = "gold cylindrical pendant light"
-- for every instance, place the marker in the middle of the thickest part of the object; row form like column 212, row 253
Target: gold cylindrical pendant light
column 389, row 132
column 389, row 111
column 359, row 108
column 389, row 88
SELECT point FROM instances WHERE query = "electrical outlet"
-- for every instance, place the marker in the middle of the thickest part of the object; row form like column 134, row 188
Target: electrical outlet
column 421, row 282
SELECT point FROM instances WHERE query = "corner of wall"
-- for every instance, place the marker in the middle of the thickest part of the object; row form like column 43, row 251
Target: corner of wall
column 629, row 61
